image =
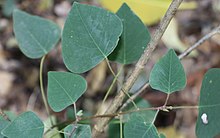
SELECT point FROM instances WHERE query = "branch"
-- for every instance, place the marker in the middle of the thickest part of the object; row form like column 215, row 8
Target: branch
column 202, row 40
column 117, row 102
column 181, row 56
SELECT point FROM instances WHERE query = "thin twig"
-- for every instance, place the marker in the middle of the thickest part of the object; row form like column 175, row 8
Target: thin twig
column 198, row 43
column 118, row 82
column 116, row 103
column 181, row 56
column 159, row 108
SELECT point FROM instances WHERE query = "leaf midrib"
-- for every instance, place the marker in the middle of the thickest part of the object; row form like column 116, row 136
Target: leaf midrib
column 90, row 35
column 63, row 89
column 170, row 70
column 34, row 38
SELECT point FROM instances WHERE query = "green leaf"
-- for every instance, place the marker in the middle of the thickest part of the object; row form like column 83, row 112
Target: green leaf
column 36, row 36
column 90, row 34
column 162, row 136
column 207, row 125
column 78, row 131
column 9, row 114
column 64, row 89
column 3, row 124
column 138, row 128
column 26, row 125
column 147, row 116
column 168, row 74
column 8, row 7
column 114, row 130
column 54, row 132
column 134, row 38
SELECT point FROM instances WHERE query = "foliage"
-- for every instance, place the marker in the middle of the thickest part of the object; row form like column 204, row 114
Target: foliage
column 36, row 36
column 64, row 88
column 92, row 31
column 25, row 125
column 134, row 37
column 168, row 74
column 207, row 124
column 91, row 35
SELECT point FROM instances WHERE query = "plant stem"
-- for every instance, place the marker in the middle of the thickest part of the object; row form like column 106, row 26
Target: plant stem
column 111, row 86
column 121, row 127
column 117, row 101
column 42, row 89
column 198, row 43
column 75, row 112
column 133, row 97
column 116, row 79
column 160, row 108
column 181, row 56
column 110, row 68
column 165, row 103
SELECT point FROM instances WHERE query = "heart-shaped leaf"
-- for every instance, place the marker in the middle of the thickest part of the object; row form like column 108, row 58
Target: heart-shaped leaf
column 26, row 125
column 134, row 38
column 207, row 125
column 76, row 131
column 168, row 74
column 90, row 34
column 36, row 36
column 64, row 89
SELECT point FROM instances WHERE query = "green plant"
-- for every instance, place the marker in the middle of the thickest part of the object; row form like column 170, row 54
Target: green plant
column 91, row 35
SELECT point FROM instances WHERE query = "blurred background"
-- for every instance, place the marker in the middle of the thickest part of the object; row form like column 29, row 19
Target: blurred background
column 19, row 76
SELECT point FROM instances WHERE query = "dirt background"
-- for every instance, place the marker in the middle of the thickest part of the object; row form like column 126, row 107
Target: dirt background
column 19, row 76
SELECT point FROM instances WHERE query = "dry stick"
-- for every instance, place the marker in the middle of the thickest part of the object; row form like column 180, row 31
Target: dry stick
column 181, row 56
column 116, row 103
column 161, row 108
column 202, row 40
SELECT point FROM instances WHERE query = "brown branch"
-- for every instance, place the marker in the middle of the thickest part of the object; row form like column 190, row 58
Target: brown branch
column 198, row 43
column 181, row 56
column 117, row 102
